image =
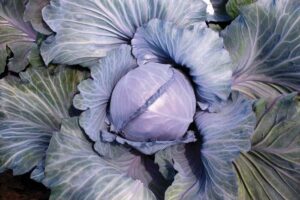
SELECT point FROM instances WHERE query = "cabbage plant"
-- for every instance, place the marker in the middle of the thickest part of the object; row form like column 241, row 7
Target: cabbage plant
column 152, row 99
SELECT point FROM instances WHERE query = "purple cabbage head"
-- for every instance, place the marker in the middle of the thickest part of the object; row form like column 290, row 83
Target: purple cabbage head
column 153, row 102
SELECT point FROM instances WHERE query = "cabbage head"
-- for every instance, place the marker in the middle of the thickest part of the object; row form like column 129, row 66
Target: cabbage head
column 153, row 102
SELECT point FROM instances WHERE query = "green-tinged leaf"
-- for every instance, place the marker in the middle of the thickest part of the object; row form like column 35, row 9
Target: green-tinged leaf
column 165, row 163
column 33, row 14
column 35, row 58
column 87, row 29
column 75, row 171
column 3, row 58
column 205, row 169
column 31, row 109
column 15, row 34
column 264, row 44
column 271, row 170
column 21, row 53
column 233, row 6
column 215, row 27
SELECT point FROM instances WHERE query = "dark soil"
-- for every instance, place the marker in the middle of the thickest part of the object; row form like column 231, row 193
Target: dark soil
column 21, row 188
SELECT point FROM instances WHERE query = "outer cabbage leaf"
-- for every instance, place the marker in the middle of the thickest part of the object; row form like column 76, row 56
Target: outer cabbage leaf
column 219, row 11
column 15, row 34
column 3, row 57
column 200, row 51
column 31, row 109
column 205, row 169
column 75, row 171
column 95, row 93
column 88, row 29
column 264, row 44
column 33, row 14
column 271, row 170
column 135, row 165
column 233, row 6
